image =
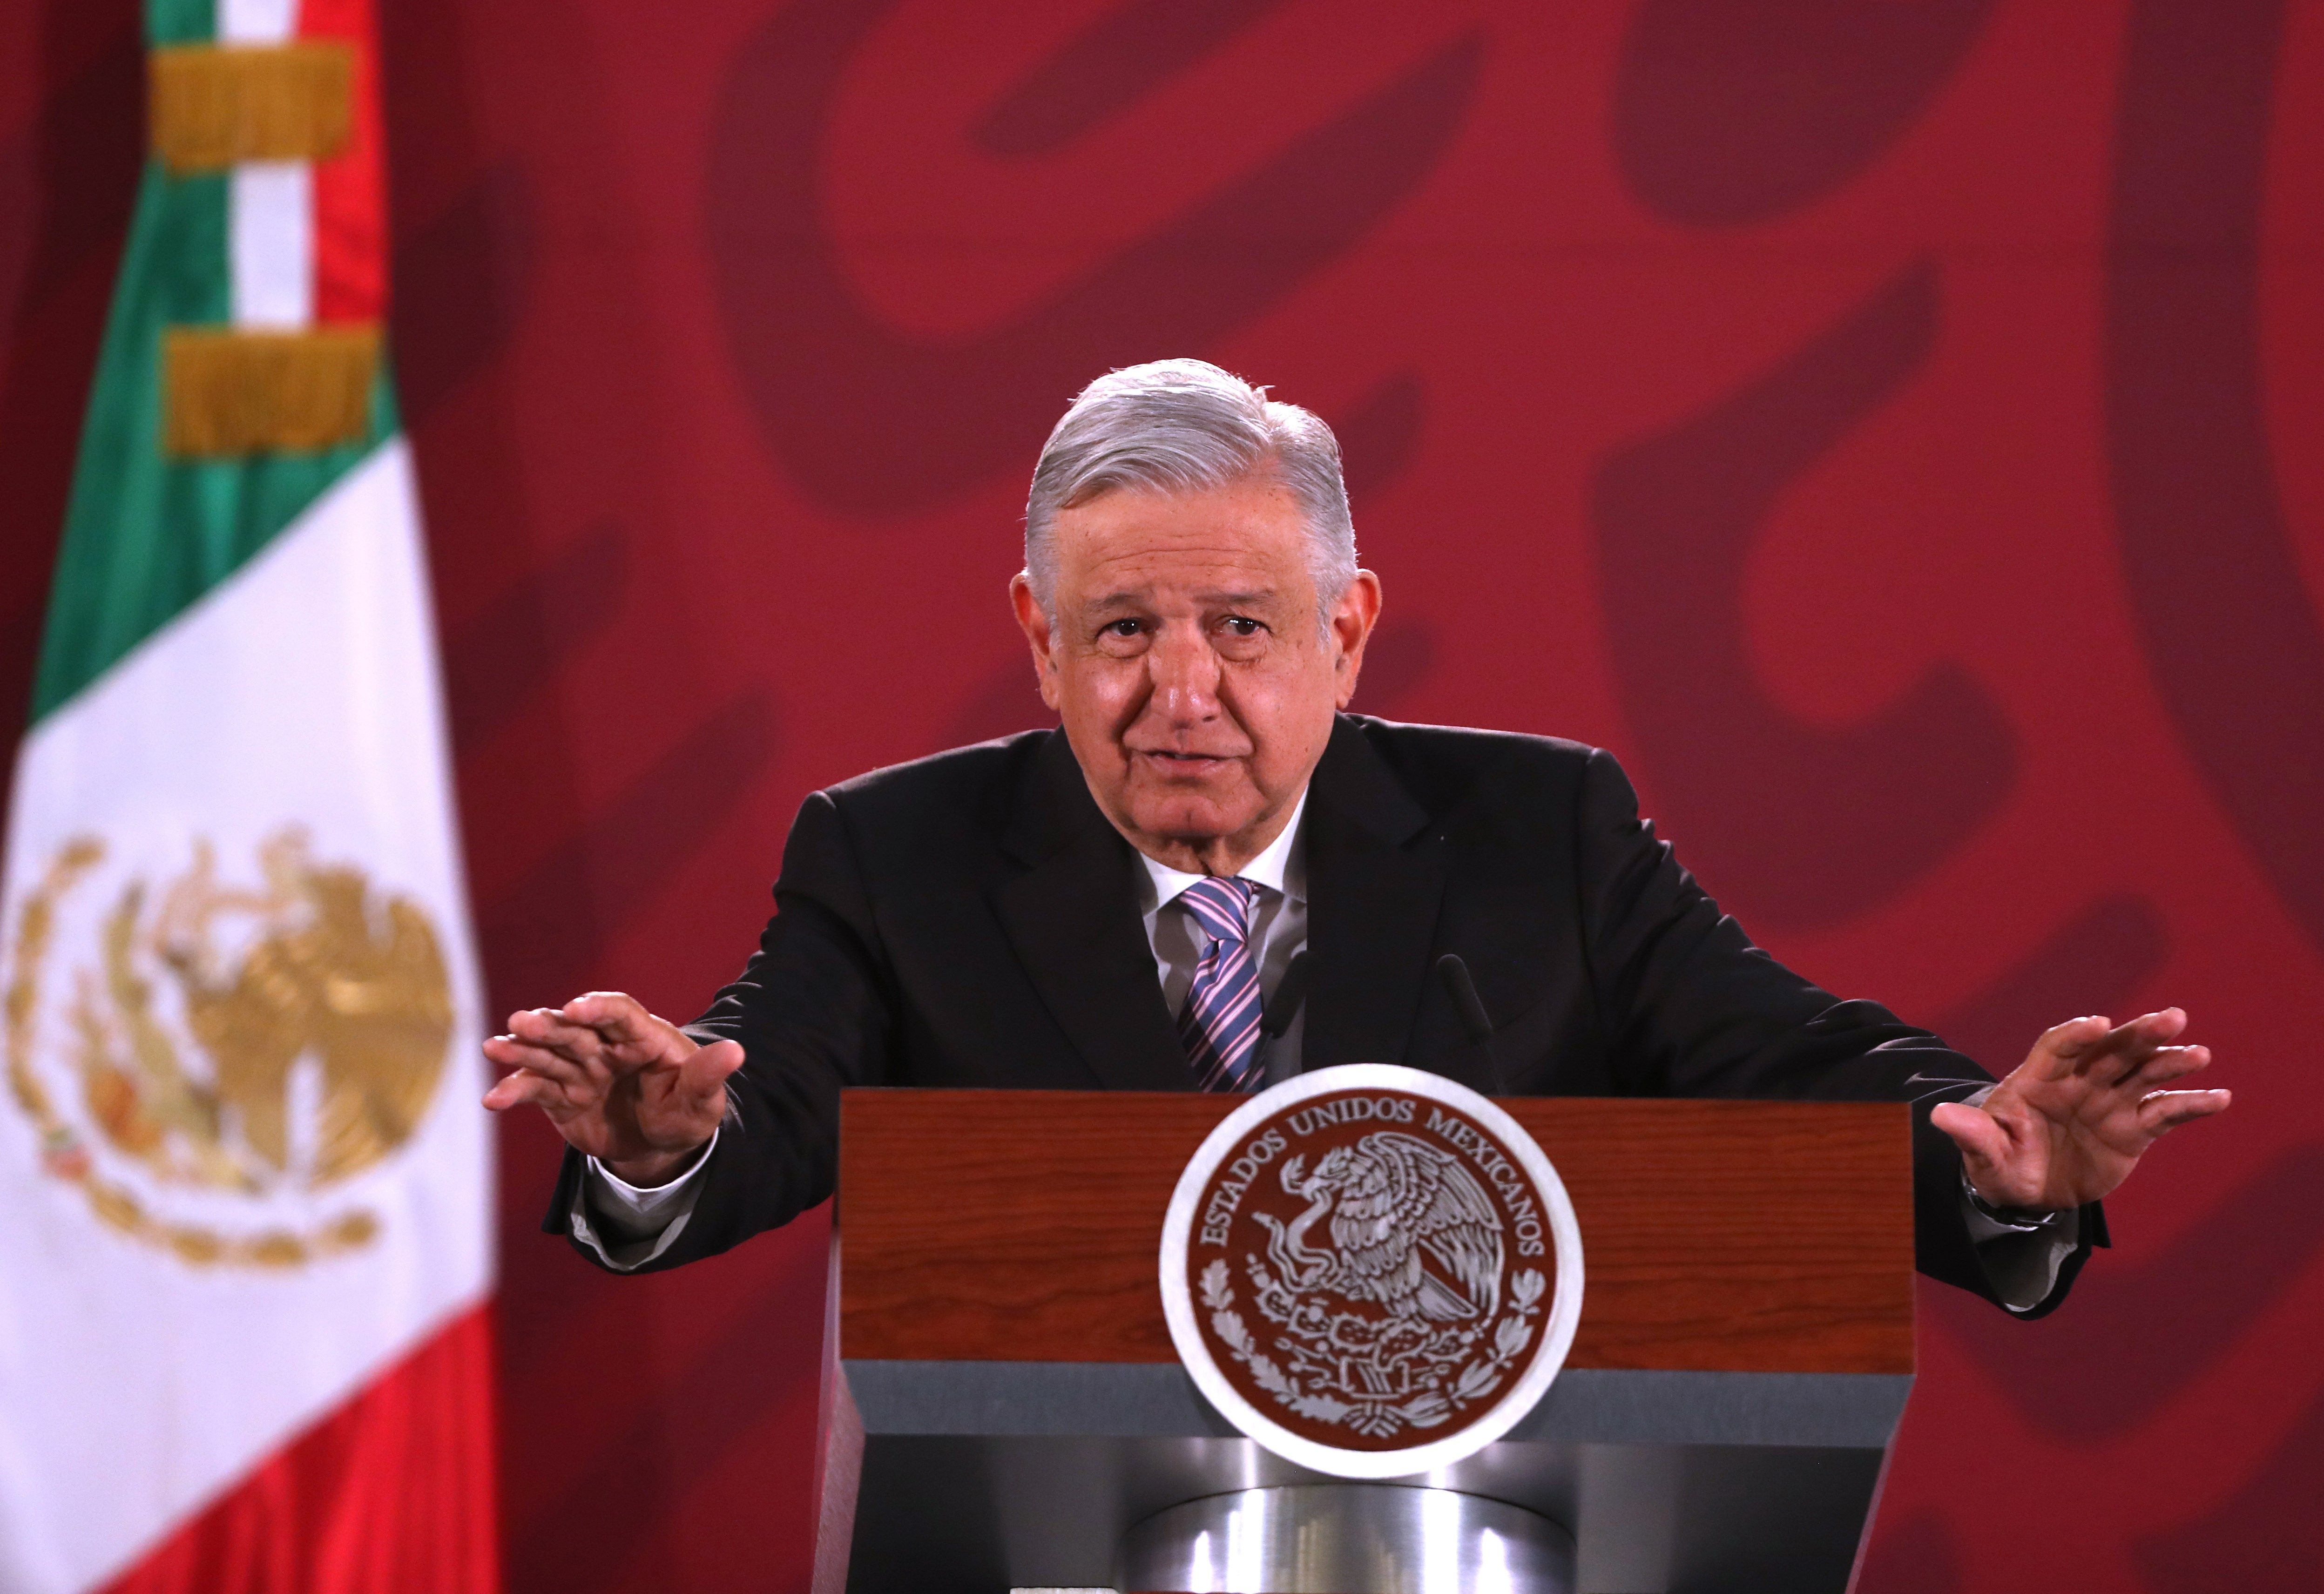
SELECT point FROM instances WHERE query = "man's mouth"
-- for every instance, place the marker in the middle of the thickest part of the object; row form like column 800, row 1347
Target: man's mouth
column 1188, row 763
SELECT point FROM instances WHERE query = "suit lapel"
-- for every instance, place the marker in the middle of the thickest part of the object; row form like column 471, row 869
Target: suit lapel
column 1374, row 881
column 1073, row 918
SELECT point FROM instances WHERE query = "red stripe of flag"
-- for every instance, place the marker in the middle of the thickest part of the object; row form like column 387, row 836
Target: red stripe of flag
column 350, row 190
column 393, row 1491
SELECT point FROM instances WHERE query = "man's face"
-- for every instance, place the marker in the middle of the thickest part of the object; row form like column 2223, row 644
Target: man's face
column 1187, row 662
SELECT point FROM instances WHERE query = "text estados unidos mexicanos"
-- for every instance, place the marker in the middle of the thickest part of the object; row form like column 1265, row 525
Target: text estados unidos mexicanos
column 1226, row 1195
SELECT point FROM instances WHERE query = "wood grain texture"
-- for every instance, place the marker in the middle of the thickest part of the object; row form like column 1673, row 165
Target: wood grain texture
column 1721, row 1236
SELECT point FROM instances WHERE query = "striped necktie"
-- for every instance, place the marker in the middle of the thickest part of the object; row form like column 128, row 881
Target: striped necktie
column 1219, row 1027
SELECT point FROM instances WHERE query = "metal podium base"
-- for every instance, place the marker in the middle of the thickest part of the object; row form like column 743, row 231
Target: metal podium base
column 1348, row 1538
column 969, row 1476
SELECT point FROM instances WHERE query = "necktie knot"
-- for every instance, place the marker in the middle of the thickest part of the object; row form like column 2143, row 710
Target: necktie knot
column 1222, row 906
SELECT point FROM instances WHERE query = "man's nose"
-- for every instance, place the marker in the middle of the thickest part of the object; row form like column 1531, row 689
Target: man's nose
column 1185, row 673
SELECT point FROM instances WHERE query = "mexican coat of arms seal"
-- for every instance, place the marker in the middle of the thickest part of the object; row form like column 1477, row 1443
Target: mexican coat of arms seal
column 1371, row 1270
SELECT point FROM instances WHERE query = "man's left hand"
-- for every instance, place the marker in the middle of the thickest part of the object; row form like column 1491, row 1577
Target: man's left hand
column 2074, row 1119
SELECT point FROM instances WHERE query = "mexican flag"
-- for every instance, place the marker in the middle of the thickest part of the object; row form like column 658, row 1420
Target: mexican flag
column 245, row 1182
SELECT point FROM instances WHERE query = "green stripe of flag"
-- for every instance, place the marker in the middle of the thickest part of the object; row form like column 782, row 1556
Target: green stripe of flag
column 180, row 22
column 146, row 535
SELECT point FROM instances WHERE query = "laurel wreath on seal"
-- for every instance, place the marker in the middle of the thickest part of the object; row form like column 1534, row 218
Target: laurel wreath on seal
column 1376, row 1376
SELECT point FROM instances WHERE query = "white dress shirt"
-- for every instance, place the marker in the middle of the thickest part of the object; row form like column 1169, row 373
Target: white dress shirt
column 629, row 1227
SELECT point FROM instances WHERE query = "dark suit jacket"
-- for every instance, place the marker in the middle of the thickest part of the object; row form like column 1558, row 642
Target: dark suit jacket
column 972, row 919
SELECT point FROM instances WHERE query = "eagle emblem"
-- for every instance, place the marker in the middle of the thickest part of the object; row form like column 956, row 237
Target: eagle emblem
column 1410, row 1229
column 1369, row 1270
column 267, row 1038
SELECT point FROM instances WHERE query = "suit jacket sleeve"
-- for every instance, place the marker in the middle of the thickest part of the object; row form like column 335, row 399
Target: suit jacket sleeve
column 1694, row 1009
column 814, row 1012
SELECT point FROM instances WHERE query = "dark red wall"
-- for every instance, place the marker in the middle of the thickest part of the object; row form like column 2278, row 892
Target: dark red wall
column 1892, row 427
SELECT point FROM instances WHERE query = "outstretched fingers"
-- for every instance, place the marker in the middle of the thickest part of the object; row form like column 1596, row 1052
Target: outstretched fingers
column 2164, row 1110
column 524, row 1086
column 549, row 1030
column 515, row 1050
column 550, row 1066
column 2166, row 1064
column 2066, row 1049
column 2129, row 1047
column 616, row 1016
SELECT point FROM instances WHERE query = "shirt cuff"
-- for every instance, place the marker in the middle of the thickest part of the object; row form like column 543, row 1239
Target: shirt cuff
column 629, row 1225
column 2022, row 1262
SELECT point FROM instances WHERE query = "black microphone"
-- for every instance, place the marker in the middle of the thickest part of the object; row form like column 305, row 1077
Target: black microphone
column 1284, row 1005
column 1466, row 1000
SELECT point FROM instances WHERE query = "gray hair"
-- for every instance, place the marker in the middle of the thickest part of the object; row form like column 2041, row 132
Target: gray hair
column 1186, row 426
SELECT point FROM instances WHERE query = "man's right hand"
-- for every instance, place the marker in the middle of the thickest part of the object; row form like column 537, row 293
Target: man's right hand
column 634, row 1092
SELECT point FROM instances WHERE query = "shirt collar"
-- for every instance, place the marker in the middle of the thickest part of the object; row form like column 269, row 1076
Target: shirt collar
column 1282, row 867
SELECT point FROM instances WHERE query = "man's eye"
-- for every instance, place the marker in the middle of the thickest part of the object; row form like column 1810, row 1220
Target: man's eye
column 1242, row 626
column 1122, row 628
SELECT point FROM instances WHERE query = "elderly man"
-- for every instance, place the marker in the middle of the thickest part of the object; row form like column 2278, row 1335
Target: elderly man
column 1119, row 903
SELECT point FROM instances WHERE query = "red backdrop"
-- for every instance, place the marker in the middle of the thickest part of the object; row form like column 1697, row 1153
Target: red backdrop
column 1892, row 427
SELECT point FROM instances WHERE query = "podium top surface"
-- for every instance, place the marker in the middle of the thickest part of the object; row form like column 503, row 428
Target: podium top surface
column 1716, row 1235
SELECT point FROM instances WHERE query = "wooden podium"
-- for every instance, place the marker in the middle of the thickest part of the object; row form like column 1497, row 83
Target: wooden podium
column 1003, row 1403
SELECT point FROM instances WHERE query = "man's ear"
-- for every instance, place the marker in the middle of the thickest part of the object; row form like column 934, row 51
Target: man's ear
column 1352, row 619
column 1034, row 621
